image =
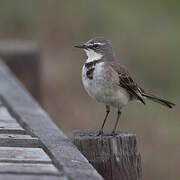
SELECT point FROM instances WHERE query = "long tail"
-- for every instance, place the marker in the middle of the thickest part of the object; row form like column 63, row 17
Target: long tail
column 158, row 100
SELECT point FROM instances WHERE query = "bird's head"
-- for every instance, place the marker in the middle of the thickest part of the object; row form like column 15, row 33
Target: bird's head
column 97, row 48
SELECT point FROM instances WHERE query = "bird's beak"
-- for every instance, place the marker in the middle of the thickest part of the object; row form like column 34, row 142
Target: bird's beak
column 82, row 46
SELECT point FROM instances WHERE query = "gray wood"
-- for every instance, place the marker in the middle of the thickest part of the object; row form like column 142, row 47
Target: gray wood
column 24, row 60
column 8, row 124
column 31, row 177
column 28, row 168
column 114, row 157
column 19, row 154
column 5, row 115
column 10, row 128
column 18, row 140
column 7, row 120
column 36, row 122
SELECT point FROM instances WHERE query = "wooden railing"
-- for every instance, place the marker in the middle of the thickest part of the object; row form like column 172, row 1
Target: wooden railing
column 31, row 145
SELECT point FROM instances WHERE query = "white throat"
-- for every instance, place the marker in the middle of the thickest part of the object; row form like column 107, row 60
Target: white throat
column 92, row 55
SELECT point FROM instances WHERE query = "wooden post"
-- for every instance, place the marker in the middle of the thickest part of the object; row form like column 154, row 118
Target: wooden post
column 23, row 58
column 114, row 157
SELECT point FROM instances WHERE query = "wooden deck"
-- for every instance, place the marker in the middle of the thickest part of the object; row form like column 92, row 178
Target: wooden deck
column 31, row 146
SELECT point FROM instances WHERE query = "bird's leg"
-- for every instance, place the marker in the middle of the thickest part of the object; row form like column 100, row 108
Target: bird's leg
column 107, row 113
column 113, row 133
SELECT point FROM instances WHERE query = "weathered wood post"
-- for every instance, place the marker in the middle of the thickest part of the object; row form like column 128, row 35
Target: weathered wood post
column 24, row 60
column 114, row 157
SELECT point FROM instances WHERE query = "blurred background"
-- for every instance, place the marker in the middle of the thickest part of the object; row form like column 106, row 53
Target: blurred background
column 146, row 38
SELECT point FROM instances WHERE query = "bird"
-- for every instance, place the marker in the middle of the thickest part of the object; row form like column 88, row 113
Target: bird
column 109, row 82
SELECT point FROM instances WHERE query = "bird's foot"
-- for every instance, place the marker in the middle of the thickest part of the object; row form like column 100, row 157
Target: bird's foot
column 100, row 133
column 113, row 133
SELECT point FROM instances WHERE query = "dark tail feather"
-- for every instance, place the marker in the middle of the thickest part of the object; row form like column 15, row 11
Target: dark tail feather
column 158, row 100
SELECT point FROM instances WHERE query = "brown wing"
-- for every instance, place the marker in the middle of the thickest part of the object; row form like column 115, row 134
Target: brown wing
column 127, row 82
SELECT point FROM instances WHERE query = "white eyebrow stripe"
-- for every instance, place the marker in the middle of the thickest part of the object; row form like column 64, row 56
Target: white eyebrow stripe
column 98, row 43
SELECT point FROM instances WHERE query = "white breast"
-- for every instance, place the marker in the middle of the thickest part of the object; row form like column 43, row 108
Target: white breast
column 93, row 87
column 101, row 90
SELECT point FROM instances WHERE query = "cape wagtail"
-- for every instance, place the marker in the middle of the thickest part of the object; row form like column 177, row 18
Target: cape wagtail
column 109, row 82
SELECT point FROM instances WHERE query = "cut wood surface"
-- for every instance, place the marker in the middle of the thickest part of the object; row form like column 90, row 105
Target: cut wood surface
column 19, row 154
column 18, row 140
column 5, row 115
column 10, row 126
column 31, row 177
column 28, row 168
column 114, row 157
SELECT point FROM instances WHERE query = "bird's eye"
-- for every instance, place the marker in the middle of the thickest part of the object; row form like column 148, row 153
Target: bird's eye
column 95, row 45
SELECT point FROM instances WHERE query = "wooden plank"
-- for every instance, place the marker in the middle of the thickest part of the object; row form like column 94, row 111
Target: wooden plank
column 11, row 127
column 5, row 115
column 19, row 154
column 28, row 168
column 31, row 177
column 8, row 124
column 18, row 140
column 8, row 120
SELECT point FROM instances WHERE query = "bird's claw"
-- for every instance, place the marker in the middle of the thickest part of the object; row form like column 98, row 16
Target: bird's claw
column 113, row 133
column 100, row 133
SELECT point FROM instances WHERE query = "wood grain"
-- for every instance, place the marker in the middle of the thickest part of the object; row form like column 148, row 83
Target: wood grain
column 114, row 157
column 28, row 168
column 19, row 154
column 18, row 140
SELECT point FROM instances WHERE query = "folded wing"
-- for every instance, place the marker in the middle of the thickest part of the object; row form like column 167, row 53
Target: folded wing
column 127, row 82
